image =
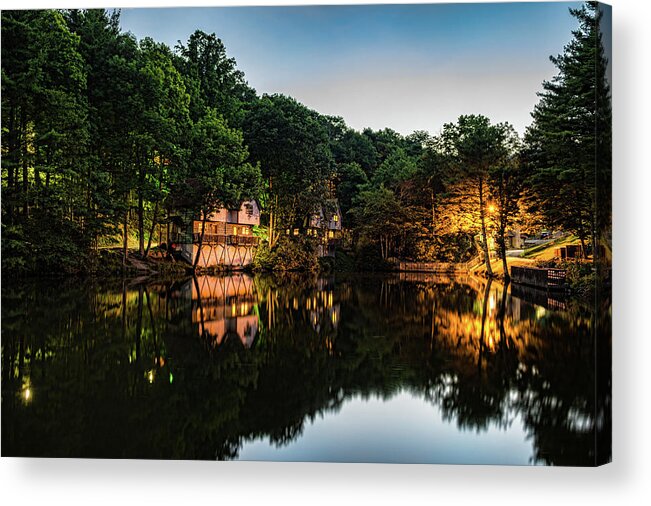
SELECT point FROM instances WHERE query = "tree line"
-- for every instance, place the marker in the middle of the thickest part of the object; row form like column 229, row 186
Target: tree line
column 103, row 135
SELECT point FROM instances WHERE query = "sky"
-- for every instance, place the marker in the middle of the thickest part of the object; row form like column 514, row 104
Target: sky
column 406, row 67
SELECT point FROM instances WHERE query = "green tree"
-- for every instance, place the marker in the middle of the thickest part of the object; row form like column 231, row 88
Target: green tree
column 396, row 168
column 473, row 146
column 218, row 173
column 161, row 118
column 111, row 62
column 43, row 142
column 568, row 146
column 349, row 178
column 505, row 185
column 292, row 145
column 214, row 80
column 380, row 217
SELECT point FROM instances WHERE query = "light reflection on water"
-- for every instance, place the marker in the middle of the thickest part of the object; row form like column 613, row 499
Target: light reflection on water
column 381, row 368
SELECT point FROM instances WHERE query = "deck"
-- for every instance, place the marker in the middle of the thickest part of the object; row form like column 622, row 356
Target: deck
column 548, row 279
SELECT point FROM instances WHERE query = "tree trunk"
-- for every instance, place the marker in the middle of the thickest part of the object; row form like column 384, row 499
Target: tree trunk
column 151, row 231
column 125, row 244
column 141, row 225
column 24, row 163
column 272, row 235
column 203, row 230
column 12, row 165
column 156, row 206
column 433, row 210
column 482, row 217
column 584, row 253
column 502, row 240
column 505, row 264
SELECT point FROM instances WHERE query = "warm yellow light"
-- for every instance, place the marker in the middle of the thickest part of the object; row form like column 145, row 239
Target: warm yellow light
column 27, row 394
column 150, row 376
column 295, row 231
column 491, row 208
column 331, row 234
column 234, row 230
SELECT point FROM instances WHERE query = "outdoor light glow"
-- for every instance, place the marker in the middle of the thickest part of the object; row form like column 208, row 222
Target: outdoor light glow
column 491, row 208
column 27, row 394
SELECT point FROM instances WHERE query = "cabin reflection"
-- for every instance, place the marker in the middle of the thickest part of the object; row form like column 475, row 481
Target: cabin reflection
column 224, row 308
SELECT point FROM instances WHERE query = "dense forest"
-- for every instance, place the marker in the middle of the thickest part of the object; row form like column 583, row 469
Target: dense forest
column 103, row 135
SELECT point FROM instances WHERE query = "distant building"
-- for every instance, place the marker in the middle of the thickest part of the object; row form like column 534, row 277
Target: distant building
column 324, row 226
column 514, row 238
column 228, row 237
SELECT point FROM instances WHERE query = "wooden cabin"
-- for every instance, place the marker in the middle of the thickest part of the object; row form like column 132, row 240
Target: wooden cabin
column 326, row 226
column 228, row 237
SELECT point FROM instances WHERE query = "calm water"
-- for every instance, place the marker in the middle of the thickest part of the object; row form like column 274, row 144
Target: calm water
column 399, row 368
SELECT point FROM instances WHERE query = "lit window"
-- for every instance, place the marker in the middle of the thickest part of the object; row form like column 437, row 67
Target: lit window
column 295, row 231
column 234, row 230
column 335, row 217
column 287, row 231
column 331, row 234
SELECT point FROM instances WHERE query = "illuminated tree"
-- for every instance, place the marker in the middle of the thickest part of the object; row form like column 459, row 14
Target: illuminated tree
column 473, row 147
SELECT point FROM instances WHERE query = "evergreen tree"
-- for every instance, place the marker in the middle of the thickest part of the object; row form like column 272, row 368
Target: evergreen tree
column 568, row 146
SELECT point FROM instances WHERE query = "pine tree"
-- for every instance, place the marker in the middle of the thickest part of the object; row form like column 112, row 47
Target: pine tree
column 568, row 151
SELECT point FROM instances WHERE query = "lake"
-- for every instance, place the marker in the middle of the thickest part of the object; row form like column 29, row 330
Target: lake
column 410, row 368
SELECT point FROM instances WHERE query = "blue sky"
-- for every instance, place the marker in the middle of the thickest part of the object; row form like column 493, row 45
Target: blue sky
column 407, row 67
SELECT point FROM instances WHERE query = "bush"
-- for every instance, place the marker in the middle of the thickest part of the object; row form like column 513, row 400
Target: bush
column 43, row 245
column 580, row 277
column 369, row 258
column 289, row 254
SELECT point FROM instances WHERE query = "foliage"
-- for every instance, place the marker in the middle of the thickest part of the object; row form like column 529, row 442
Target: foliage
column 292, row 145
column 568, row 146
column 289, row 254
column 103, row 136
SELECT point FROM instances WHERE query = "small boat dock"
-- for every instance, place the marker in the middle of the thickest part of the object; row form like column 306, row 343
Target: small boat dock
column 547, row 279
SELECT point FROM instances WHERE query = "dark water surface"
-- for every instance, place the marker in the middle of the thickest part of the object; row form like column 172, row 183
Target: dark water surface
column 396, row 368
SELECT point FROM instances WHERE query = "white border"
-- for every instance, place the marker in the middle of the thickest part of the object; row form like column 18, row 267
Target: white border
column 626, row 481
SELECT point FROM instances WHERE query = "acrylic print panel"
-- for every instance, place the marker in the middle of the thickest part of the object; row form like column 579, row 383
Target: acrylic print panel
column 365, row 233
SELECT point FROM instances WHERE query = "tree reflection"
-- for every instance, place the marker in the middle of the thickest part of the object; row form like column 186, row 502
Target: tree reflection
column 194, row 368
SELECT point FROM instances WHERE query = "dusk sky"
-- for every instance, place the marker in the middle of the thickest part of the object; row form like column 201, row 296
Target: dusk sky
column 407, row 67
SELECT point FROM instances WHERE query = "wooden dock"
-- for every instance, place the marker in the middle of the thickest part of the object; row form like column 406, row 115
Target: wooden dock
column 547, row 279
column 434, row 267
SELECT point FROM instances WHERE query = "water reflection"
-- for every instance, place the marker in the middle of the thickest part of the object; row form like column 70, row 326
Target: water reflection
column 224, row 308
column 217, row 367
